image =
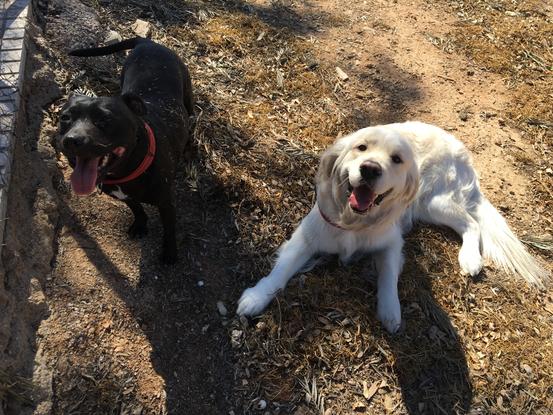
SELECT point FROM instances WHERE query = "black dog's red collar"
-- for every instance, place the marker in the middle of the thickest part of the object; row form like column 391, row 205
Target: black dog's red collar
column 328, row 220
column 147, row 162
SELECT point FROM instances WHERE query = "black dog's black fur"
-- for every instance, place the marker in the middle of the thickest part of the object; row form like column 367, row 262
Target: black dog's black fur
column 155, row 88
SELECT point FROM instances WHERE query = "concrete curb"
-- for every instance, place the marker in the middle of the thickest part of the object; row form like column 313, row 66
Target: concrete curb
column 13, row 22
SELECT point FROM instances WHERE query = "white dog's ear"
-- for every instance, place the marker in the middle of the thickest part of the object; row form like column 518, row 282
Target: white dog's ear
column 328, row 160
column 411, row 184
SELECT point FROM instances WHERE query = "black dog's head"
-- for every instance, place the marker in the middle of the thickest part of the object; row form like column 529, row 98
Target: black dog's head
column 96, row 135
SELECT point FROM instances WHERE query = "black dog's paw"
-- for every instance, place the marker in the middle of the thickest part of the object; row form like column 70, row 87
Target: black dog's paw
column 168, row 257
column 138, row 230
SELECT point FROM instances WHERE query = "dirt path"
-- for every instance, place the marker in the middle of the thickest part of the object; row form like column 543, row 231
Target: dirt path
column 400, row 66
column 123, row 334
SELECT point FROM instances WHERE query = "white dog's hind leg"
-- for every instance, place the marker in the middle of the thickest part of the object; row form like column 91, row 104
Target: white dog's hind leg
column 388, row 265
column 293, row 255
column 444, row 211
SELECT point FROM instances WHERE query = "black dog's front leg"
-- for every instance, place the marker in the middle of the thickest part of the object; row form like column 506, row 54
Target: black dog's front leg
column 168, row 219
column 139, row 226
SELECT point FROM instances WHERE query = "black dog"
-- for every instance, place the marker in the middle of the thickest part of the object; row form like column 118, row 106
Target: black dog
column 129, row 145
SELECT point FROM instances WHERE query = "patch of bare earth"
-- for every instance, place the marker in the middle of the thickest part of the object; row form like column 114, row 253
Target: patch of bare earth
column 125, row 335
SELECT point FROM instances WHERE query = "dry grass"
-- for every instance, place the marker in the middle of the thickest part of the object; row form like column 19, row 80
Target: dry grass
column 515, row 40
column 266, row 108
column 456, row 352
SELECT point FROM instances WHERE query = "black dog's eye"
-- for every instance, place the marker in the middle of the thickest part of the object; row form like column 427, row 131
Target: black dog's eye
column 101, row 123
column 65, row 118
column 397, row 159
column 361, row 147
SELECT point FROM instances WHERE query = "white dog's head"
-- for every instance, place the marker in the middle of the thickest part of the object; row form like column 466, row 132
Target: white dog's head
column 367, row 177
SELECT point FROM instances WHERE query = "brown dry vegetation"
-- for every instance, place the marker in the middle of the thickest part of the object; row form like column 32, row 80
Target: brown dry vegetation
column 268, row 102
column 515, row 40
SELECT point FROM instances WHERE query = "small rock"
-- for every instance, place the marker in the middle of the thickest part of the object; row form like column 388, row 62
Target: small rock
column 470, row 72
column 200, row 283
column 261, row 404
column 463, row 115
column 141, row 28
column 221, row 308
column 261, row 325
column 341, row 74
column 112, row 37
column 235, row 338
column 526, row 368
column 549, row 171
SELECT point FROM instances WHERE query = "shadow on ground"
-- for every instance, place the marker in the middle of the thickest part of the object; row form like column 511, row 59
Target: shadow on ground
column 189, row 340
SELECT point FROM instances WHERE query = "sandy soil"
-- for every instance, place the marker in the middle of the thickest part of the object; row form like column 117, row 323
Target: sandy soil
column 117, row 333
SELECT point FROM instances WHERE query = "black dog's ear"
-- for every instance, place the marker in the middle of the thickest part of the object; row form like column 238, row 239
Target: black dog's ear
column 135, row 103
column 75, row 97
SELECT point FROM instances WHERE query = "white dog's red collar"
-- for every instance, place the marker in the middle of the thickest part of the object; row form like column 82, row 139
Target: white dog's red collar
column 148, row 159
column 328, row 220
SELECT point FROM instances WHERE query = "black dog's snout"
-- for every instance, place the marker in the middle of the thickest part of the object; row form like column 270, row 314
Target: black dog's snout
column 73, row 142
column 370, row 170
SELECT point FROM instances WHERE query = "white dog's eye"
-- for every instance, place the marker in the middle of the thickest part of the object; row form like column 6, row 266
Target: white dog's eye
column 361, row 147
column 397, row 159
column 65, row 118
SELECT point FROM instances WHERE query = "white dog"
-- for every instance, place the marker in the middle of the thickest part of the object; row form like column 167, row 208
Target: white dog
column 371, row 186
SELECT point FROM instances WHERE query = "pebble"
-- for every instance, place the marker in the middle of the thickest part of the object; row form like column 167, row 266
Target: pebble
column 261, row 325
column 261, row 404
column 112, row 37
column 200, row 283
column 235, row 338
column 141, row 28
column 221, row 308
column 341, row 74
column 526, row 368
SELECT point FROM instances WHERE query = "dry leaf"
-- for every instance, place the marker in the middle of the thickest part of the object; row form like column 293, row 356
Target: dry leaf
column 341, row 74
column 368, row 393
column 388, row 404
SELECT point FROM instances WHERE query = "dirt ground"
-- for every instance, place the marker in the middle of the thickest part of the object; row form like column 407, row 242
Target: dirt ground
column 100, row 327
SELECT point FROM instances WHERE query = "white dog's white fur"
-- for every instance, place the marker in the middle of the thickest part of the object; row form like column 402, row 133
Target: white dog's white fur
column 423, row 173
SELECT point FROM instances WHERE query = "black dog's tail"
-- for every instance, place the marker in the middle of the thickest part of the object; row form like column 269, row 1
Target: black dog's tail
column 107, row 50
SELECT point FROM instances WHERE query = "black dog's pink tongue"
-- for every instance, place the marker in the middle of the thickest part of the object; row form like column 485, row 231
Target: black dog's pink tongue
column 85, row 173
column 361, row 198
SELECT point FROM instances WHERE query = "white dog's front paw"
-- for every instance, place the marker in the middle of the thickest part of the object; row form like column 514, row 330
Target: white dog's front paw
column 470, row 261
column 389, row 314
column 253, row 301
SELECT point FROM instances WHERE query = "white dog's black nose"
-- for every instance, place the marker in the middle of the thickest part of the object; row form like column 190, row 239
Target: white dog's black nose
column 370, row 170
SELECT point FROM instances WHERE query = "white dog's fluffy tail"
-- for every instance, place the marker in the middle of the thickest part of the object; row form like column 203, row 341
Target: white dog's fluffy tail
column 501, row 246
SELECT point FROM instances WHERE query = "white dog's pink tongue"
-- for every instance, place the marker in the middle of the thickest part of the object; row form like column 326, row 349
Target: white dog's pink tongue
column 85, row 173
column 361, row 198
